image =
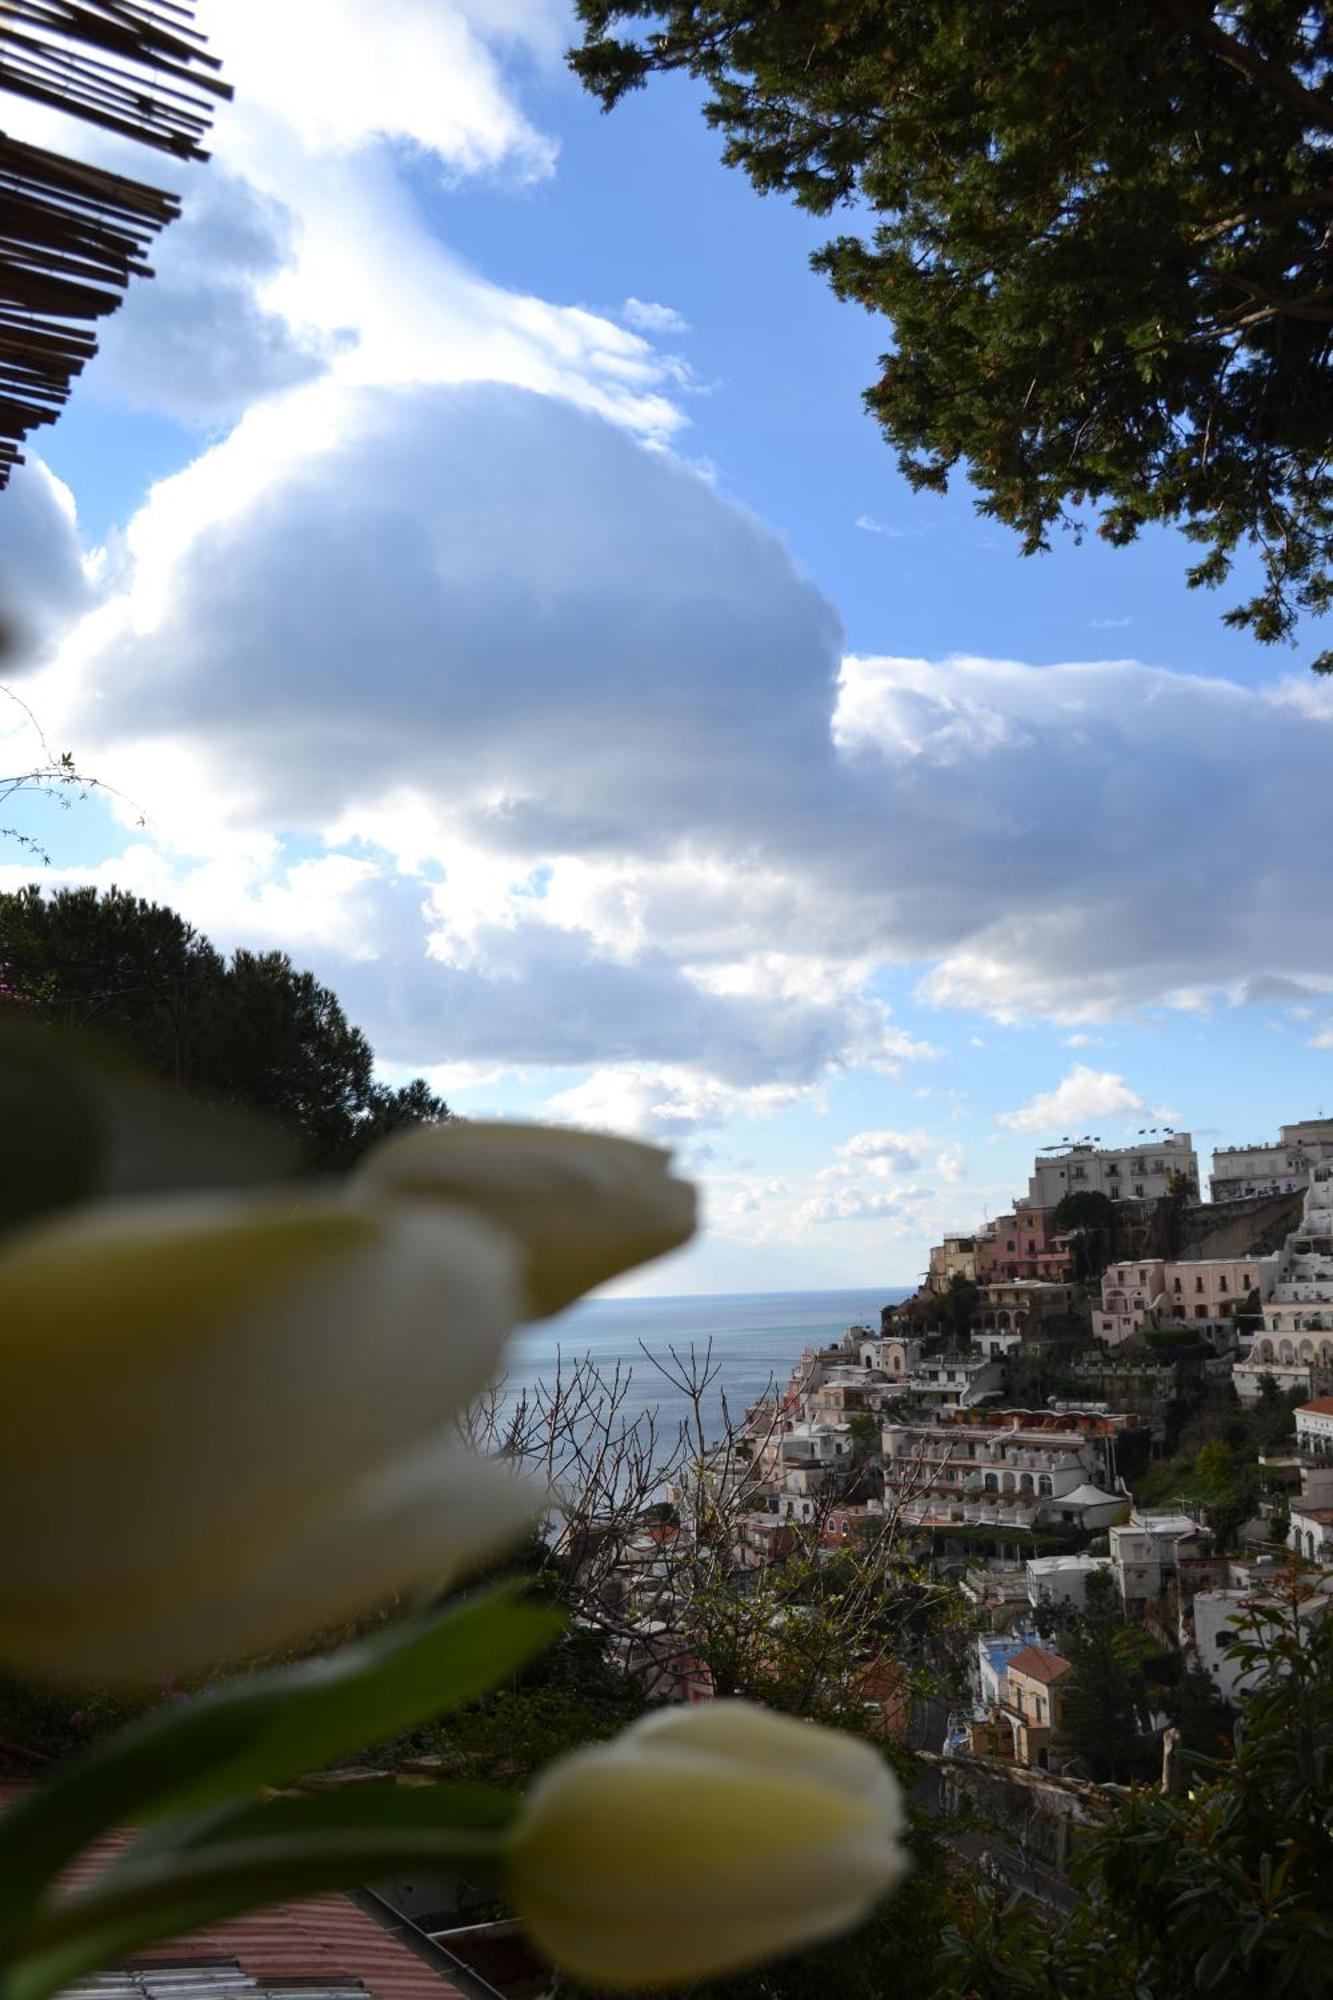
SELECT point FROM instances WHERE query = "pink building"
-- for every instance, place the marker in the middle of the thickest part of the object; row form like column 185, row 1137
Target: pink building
column 1130, row 1292
column 1214, row 1287
column 1023, row 1247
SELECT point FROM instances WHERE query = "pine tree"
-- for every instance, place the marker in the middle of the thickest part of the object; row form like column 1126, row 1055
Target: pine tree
column 1101, row 234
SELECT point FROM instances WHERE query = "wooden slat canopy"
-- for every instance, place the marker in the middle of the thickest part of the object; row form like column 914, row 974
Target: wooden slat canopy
column 71, row 235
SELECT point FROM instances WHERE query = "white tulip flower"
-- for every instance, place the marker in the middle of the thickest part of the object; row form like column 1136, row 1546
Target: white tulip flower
column 228, row 1421
column 702, row 1840
column 585, row 1206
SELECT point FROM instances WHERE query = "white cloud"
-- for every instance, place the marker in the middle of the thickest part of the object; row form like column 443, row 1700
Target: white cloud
column 44, row 580
column 886, row 1152
column 429, row 74
column 1084, row 1093
column 1109, row 624
column 198, row 343
column 870, row 526
column 664, row 1104
column 863, row 1205
column 657, row 319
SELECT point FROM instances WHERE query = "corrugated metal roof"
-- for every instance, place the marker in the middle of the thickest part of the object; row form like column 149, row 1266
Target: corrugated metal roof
column 328, row 1945
column 223, row 1980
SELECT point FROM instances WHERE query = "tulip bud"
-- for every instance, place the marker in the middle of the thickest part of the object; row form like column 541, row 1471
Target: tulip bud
column 229, row 1421
column 703, row 1840
column 584, row 1206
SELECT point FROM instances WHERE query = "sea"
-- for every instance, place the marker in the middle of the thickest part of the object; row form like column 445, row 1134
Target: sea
column 754, row 1337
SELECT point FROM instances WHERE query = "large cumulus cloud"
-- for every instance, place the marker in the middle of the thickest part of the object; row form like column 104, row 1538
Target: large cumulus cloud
column 617, row 797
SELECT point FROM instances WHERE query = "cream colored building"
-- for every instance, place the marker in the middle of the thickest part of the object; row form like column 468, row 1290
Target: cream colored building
column 1241, row 1171
column 1142, row 1172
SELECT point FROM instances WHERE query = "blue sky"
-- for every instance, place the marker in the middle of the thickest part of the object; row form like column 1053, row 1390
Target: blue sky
column 473, row 558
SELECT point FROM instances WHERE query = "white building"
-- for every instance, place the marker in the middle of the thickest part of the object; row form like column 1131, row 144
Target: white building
column 810, row 1456
column 1142, row 1172
column 1063, row 1579
column 1239, row 1171
column 956, row 1381
column 1296, row 1345
column 1311, row 1531
column 996, row 1343
column 1146, row 1552
column 1015, row 1471
column 1314, row 1427
column 892, row 1355
column 1217, row 1622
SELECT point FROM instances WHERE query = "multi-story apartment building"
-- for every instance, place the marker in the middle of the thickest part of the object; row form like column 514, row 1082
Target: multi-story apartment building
column 1283, row 1168
column 1020, row 1725
column 1152, row 1167
column 811, row 1457
column 1021, row 1245
column 1199, row 1290
column 1014, row 1468
column 1022, row 1305
column 956, row 1257
column 1296, row 1345
column 1129, row 1294
column 1146, row 1552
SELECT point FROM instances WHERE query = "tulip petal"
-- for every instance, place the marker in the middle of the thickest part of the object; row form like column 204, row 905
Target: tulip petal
column 585, row 1206
column 703, row 1840
column 415, row 1527
column 225, row 1373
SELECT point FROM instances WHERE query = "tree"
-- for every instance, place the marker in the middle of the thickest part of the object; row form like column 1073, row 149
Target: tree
column 959, row 1307
column 1101, row 235
column 251, row 1031
column 1104, row 1699
column 1229, row 1891
column 1084, row 1208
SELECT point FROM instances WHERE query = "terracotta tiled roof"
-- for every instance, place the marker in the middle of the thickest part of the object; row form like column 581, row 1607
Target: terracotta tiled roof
column 324, row 1941
column 1322, row 1406
column 1039, row 1665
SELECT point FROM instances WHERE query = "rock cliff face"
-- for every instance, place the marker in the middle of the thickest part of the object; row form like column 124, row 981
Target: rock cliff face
column 1251, row 1228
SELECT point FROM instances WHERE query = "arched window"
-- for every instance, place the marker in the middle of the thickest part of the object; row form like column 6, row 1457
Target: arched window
column 991, row 1482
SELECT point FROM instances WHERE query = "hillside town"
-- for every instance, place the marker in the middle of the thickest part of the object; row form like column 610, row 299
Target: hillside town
column 1109, row 1409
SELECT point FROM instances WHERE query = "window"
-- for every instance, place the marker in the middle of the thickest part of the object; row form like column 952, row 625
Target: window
column 1044, row 1483
column 1143, row 1277
column 1175, row 1284
column 992, row 1482
column 1198, row 1284
column 1247, row 1281
column 1138, row 1187
column 1200, row 1312
column 1222, row 1284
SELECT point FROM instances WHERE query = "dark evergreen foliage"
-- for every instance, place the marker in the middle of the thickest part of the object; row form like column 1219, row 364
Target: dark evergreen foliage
column 251, row 1031
column 1101, row 234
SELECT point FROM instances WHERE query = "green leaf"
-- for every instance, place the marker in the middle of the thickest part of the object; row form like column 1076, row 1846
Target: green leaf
column 265, row 1730
column 357, row 1808
column 175, row 1894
